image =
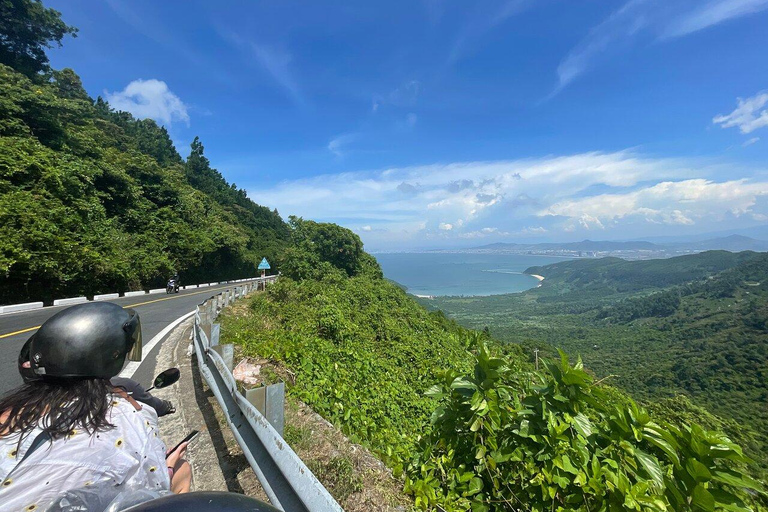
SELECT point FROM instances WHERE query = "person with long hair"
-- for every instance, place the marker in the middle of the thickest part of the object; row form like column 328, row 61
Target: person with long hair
column 69, row 428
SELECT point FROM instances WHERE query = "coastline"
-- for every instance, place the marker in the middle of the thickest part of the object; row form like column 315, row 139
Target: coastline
column 537, row 276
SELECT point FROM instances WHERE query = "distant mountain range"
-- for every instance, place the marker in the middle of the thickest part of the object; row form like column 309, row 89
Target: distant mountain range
column 639, row 249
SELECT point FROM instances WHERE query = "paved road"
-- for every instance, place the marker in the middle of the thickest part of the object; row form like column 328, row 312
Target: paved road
column 156, row 311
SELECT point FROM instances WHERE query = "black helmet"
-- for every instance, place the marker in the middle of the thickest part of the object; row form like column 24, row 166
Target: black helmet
column 27, row 373
column 205, row 501
column 87, row 340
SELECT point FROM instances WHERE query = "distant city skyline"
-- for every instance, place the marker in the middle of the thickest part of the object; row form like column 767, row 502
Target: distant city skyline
column 442, row 123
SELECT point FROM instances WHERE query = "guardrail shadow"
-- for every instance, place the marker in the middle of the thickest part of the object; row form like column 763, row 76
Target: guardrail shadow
column 227, row 461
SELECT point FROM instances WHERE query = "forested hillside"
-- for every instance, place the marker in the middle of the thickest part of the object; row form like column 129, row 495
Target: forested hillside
column 93, row 200
column 467, row 422
column 692, row 325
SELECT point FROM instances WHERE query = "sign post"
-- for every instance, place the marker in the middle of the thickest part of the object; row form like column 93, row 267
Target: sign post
column 264, row 266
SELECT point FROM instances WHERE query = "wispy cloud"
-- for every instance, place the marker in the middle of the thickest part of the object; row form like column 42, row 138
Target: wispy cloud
column 609, row 36
column 488, row 18
column 149, row 24
column 149, row 99
column 749, row 114
column 749, row 142
column 656, row 20
column 404, row 95
column 277, row 62
column 712, row 13
column 520, row 198
column 338, row 144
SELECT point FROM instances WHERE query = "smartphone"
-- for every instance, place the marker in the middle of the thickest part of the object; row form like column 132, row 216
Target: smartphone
column 187, row 439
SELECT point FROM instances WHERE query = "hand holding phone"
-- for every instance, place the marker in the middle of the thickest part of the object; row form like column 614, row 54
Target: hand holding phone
column 187, row 439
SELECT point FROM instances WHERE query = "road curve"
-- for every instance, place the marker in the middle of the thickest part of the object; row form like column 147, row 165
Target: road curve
column 156, row 310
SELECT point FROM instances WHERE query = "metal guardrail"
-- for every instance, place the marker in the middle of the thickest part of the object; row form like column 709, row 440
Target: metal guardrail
column 288, row 483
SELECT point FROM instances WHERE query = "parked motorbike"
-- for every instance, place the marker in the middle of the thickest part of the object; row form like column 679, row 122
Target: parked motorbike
column 172, row 286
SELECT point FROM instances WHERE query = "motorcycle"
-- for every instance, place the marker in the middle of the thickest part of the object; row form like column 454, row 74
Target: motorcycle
column 172, row 286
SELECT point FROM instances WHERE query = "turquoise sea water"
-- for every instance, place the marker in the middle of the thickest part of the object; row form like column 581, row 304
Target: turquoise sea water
column 461, row 273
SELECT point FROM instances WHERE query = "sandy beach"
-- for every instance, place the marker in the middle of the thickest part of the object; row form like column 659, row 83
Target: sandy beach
column 537, row 276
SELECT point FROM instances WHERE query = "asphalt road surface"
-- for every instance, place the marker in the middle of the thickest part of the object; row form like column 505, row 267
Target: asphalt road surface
column 156, row 311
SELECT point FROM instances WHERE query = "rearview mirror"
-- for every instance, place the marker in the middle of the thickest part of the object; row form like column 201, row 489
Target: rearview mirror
column 166, row 378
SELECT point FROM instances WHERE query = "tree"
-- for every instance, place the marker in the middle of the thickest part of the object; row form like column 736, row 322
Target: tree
column 27, row 28
column 318, row 247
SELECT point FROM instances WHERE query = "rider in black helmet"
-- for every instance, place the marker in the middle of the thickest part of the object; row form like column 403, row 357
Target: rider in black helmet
column 68, row 425
column 89, row 340
column 130, row 386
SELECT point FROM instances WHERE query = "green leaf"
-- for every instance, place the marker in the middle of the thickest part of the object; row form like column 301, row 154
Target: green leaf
column 652, row 467
column 698, row 471
column 736, row 479
column 475, row 486
column 702, row 499
column 728, row 501
column 435, row 391
column 582, row 425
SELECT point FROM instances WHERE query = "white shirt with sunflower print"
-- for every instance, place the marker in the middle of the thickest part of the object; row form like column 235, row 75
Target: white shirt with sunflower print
column 129, row 456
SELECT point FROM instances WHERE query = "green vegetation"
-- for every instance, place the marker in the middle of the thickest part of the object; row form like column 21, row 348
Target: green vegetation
column 694, row 325
column 467, row 422
column 27, row 28
column 505, row 439
column 93, row 200
column 362, row 351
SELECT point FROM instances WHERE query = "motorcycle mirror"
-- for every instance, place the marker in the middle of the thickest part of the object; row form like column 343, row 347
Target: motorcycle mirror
column 166, row 378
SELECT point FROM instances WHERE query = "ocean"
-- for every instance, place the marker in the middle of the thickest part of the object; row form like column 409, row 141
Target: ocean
column 461, row 273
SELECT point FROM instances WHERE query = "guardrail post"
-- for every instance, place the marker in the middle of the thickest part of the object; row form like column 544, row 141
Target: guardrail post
column 215, row 334
column 270, row 402
column 275, row 407
column 227, row 353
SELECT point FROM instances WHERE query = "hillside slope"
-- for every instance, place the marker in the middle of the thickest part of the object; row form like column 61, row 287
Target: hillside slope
column 693, row 325
column 466, row 422
column 93, row 200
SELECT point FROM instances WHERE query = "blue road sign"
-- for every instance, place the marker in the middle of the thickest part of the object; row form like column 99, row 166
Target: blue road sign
column 264, row 265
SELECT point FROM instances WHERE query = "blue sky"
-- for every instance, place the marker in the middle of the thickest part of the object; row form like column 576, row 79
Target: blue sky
column 436, row 123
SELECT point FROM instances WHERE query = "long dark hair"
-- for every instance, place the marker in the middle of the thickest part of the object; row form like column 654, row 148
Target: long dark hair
column 63, row 405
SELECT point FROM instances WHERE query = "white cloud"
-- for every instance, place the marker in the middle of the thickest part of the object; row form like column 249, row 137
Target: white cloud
column 623, row 23
column 366, row 228
column 749, row 115
column 491, row 16
column 655, row 19
column 749, row 142
column 277, row 62
column 533, row 231
column 669, row 202
column 519, row 198
column 149, row 99
column 712, row 13
column 337, row 144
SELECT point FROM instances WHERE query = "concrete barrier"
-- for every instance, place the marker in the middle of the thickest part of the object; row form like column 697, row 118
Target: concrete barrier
column 157, row 290
column 69, row 301
column 106, row 296
column 15, row 308
column 135, row 294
